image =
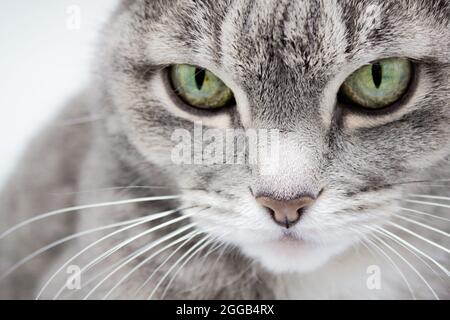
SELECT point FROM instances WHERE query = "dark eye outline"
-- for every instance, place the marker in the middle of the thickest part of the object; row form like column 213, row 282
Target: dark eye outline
column 347, row 106
column 183, row 105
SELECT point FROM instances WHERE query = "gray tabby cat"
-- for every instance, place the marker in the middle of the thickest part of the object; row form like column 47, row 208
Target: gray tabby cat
column 359, row 93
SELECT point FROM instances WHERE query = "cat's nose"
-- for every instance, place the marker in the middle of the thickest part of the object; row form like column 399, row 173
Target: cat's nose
column 286, row 213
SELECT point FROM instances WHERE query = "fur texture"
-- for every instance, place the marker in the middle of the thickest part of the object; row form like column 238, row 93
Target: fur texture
column 285, row 61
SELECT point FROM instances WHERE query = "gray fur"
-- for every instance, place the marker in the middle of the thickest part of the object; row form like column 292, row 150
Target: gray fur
column 285, row 61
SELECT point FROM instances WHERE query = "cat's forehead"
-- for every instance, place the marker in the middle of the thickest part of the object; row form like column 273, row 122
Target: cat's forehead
column 301, row 34
column 280, row 48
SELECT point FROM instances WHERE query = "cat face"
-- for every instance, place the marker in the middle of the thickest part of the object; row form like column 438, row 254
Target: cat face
column 339, row 166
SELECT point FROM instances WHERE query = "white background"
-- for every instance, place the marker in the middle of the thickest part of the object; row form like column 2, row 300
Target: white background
column 46, row 49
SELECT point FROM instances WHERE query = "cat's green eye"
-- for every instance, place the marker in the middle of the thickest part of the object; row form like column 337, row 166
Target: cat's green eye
column 378, row 85
column 199, row 87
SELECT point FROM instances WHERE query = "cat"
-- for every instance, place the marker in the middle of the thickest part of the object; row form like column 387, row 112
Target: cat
column 353, row 205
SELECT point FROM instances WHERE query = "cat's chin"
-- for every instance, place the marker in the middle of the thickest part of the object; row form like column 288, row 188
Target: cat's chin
column 285, row 256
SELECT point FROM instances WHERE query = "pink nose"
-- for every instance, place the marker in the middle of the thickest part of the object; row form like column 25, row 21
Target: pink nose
column 286, row 213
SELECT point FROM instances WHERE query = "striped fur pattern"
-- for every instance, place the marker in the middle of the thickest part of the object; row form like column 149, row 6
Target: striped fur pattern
column 285, row 61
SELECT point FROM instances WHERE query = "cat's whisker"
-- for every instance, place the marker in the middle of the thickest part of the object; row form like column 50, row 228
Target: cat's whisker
column 409, row 264
column 138, row 290
column 428, row 203
column 80, row 120
column 239, row 276
column 199, row 243
column 139, row 253
column 423, row 225
column 424, row 214
column 437, row 185
column 185, row 239
column 161, row 265
column 200, row 263
column 129, row 240
column 435, row 180
column 406, row 243
column 363, row 237
column 64, row 240
column 220, row 255
column 418, row 182
column 426, row 196
column 147, row 219
column 130, row 187
column 126, row 242
column 420, row 237
column 369, row 248
column 85, row 284
column 189, row 258
column 412, row 252
column 213, row 248
column 389, row 258
column 78, row 209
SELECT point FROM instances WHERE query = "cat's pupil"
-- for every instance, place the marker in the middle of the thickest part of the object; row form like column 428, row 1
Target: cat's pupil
column 377, row 74
column 200, row 77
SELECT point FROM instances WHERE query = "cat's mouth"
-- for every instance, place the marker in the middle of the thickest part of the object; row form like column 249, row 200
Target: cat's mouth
column 289, row 253
column 289, row 237
column 285, row 239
